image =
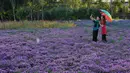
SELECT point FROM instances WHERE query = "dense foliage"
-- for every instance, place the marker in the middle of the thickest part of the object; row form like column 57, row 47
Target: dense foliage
column 59, row 9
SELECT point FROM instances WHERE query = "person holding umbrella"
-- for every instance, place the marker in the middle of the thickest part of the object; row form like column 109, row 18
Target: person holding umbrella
column 105, row 15
column 103, row 27
column 96, row 27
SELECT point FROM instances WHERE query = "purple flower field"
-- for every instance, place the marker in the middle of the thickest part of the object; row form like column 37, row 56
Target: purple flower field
column 67, row 50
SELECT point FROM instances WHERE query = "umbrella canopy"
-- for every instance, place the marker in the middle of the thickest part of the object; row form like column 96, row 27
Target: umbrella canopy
column 106, row 14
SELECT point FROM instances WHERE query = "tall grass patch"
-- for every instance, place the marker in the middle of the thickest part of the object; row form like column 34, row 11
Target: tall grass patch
column 35, row 24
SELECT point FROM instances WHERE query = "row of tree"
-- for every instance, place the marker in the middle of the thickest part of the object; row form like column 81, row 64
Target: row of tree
column 58, row 9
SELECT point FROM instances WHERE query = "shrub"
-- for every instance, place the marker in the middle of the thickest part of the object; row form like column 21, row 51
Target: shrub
column 61, row 13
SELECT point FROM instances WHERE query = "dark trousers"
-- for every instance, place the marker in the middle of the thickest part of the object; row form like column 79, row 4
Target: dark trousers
column 95, row 35
column 104, row 38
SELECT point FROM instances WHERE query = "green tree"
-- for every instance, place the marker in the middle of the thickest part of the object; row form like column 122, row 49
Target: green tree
column 21, row 12
column 42, row 3
column 75, row 4
column 13, row 3
column 87, row 3
column 31, row 7
column 37, row 9
column 129, row 5
column 116, row 6
column 1, row 9
column 111, row 6
column 102, row 5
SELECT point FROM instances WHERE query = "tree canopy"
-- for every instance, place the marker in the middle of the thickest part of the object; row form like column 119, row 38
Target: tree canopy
column 57, row 9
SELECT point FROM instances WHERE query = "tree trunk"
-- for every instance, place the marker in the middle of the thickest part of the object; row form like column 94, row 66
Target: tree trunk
column 37, row 15
column 1, row 18
column 31, row 15
column 13, row 6
column 42, row 13
column 111, row 7
column 14, row 14
column 2, row 10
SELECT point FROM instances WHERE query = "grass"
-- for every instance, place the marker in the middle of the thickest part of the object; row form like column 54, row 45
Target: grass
column 120, row 38
column 35, row 24
column 112, row 41
column 86, row 29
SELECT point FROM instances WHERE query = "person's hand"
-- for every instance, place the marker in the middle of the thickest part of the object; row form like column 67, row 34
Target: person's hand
column 91, row 15
column 101, row 25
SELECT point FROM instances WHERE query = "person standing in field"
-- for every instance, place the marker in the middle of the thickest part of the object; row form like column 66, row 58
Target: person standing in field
column 95, row 27
column 103, row 28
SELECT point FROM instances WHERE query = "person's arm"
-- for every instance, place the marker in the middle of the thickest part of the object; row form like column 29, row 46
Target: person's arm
column 91, row 17
column 100, row 24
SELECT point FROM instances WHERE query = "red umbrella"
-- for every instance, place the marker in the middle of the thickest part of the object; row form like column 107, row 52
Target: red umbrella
column 106, row 14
